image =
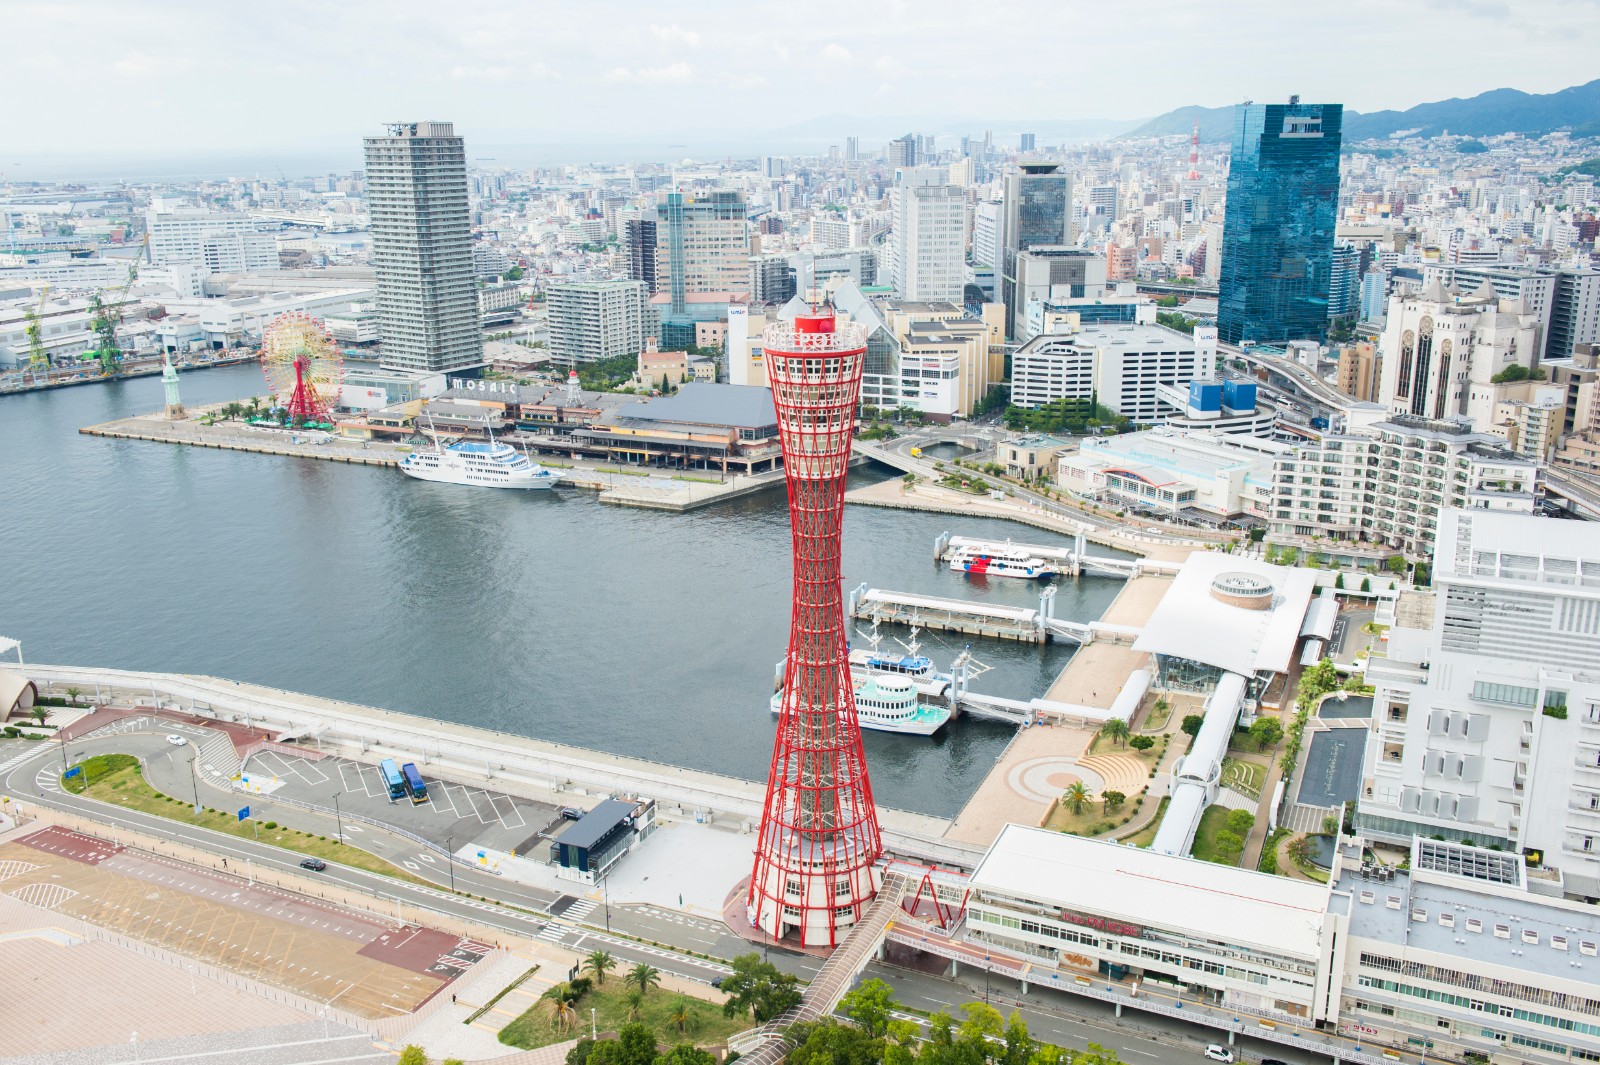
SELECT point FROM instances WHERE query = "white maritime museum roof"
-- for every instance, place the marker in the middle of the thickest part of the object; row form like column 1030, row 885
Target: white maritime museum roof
column 1137, row 886
column 1191, row 622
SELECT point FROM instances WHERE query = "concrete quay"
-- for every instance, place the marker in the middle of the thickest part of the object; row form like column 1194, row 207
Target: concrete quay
column 627, row 488
column 516, row 765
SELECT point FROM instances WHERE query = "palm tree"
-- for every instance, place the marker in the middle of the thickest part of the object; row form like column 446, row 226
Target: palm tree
column 600, row 963
column 561, row 1009
column 644, row 977
column 635, row 1007
column 72, row 695
column 41, row 714
column 1116, row 730
column 681, row 1015
column 1076, row 796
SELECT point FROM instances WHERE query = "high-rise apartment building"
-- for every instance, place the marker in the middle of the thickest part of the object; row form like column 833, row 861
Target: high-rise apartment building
column 1038, row 213
column 1374, row 295
column 852, row 149
column 929, row 238
column 1025, row 142
column 592, row 320
column 1574, row 312
column 702, row 245
column 1278, row 227
column 902, row 151
column 422, row 248
column 1344, row 283
column 639, row 245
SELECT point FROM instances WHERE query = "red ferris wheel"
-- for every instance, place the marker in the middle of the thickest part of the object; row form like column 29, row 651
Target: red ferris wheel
column 301, row 363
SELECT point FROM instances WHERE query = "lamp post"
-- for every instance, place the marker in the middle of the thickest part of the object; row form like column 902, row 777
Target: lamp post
column 450, row 861
column 337, row 815
column 606, row 895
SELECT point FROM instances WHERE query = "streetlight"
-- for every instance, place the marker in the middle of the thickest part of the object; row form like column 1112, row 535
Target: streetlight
column 607, row 896
column 337, row 815
column 450, row 861
column 594, row 1033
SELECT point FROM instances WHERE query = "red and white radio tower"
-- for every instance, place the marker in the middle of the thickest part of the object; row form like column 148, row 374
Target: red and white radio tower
column 1194, row 152
column 813, row 870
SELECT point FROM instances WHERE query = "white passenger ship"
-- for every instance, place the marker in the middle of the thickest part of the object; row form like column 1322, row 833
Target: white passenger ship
column 488, row 464
column 890, row 704
column 1006, row 561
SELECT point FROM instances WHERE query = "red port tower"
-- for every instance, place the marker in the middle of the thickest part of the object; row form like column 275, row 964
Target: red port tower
column 814, row 861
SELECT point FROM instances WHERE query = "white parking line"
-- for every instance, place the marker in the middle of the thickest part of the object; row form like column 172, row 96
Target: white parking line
column 474, row 803
column 494, row 802
column 444, row 790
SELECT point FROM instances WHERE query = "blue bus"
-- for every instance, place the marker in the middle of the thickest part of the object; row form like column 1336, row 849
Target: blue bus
column 414, row 784
column 392, row 778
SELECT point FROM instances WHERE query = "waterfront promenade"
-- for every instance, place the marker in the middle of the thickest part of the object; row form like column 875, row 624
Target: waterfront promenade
column 651, row 490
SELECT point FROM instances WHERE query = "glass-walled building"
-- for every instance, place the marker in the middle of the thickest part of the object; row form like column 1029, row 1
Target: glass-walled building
column 1277, row 238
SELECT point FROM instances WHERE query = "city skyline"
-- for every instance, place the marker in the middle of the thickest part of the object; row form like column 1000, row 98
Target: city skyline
column 503, row 78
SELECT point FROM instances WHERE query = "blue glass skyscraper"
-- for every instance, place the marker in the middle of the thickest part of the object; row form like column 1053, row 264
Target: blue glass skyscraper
column 1277, row 234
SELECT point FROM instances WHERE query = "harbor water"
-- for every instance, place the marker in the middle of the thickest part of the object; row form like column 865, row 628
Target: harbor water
column 545, row 614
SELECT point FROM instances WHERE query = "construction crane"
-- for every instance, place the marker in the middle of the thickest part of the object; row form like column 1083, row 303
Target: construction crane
column 38, row 357
column 108, row 316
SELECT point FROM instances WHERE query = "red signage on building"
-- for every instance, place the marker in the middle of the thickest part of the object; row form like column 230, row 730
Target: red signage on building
column 1116, row 928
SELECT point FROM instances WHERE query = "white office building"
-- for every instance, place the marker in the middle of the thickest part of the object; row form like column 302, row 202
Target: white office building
column 928, row 242
column 1171, row 471
column 221, row 242
column 1124, row 364
column 592, row 320
column 1486, row 717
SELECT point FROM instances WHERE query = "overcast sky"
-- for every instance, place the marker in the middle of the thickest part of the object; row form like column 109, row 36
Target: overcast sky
column 213, row 75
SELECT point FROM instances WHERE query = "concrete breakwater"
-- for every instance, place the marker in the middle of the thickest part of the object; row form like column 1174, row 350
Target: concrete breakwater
column 518, row 765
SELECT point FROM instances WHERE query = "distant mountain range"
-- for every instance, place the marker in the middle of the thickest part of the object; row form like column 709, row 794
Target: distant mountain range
column 1485, row 115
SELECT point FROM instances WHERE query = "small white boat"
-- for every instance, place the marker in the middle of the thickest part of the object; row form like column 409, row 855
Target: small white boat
column 1001, row 561
column 889, row 704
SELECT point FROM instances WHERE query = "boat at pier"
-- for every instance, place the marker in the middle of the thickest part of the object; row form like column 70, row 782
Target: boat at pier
column 1001, row 560
column 489, row 464
column 890, row 704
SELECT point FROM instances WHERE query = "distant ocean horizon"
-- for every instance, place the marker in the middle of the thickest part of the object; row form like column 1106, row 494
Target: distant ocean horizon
column 266, row 163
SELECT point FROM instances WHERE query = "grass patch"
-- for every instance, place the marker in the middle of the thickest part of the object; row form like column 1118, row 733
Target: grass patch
column 1147, row 835
column 536, row 1027
column 1213, row 820
column 117, row 779
column 1157, row 717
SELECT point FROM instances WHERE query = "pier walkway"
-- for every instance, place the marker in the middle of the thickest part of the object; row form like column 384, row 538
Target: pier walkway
column 982, row 619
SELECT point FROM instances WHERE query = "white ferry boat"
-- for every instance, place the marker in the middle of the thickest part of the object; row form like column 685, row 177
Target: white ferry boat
column 1001, row 561
column 890, row 704
column 491, row 464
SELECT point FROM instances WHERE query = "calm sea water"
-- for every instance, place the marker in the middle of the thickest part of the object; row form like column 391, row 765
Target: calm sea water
column 543, row 614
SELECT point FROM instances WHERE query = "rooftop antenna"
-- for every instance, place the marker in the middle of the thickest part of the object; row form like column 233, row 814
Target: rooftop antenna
column 1194, row 152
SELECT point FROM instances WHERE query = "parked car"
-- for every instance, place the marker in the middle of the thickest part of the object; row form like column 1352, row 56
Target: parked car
column 1218, row 1052
column 572, row 813
column 317, row 865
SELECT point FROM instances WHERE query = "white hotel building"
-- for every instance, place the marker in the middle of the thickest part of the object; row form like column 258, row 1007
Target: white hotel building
column 1487, row 706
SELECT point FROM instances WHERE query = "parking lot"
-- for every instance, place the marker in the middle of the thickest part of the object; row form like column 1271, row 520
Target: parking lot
column 1333, row 767
column 455, row 815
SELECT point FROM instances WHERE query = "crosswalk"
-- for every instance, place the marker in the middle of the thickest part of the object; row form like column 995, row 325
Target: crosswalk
column 554, row 933
column 579, row 910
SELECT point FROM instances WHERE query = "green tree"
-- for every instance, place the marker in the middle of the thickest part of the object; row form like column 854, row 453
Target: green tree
column 1366, row 584
column 599, row 963
column 758, row 988
column 871, row 1006
column 72, row 695
column 682, row 1016
column 1142, row 743
column 579, row 1054
column 41, row 714
column 1191, row 724
column 827, row 1042
column 1116, row 730
column 1110, row 800
column 563, row 1009
column 1395, row 564
column 1076, row 796
column 1240, row 822
column 644, row 977
column 514, row 274
column 635, row 1008
column 1267, row 731
column 1019, row 1045
column 685, row 1054
column 636, row 1045
column 413, row 1055
column 1228, row 847
column 1338, row 580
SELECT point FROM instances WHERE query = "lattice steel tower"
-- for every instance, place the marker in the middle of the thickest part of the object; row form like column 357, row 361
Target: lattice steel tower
column 819, row 838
